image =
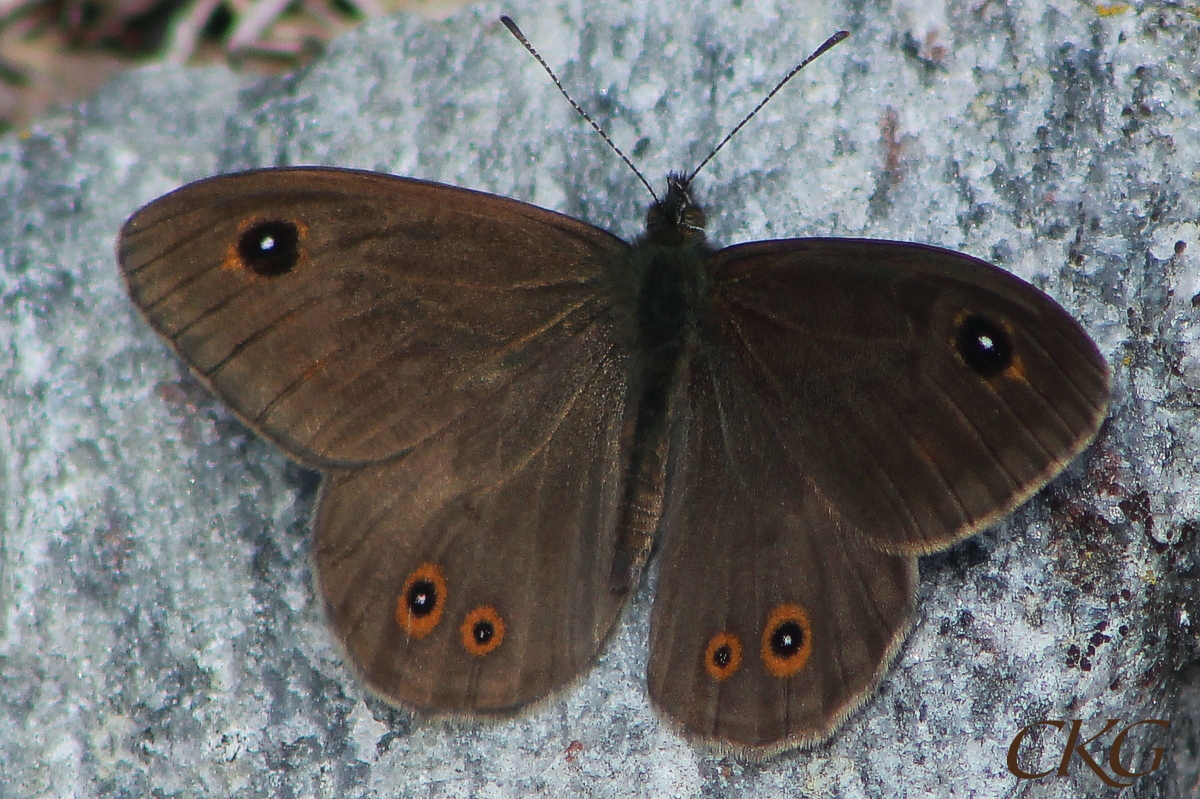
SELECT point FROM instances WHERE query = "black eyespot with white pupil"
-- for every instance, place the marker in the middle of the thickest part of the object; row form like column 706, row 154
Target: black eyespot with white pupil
column 984, row 345
column 422, row 598
column 270, row 248
column 483, row 632
column 723, row 655
column 787, row 639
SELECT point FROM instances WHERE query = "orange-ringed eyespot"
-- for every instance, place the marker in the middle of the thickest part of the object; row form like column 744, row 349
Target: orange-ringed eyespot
column 482, row 630
column 421, row 600
column 787, row 640
column 723, row 656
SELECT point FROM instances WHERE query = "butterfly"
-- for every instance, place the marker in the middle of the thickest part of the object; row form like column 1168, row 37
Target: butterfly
column 512, row 409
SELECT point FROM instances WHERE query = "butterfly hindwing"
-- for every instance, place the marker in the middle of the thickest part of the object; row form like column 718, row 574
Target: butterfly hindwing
column 749, row 546
column 505, row 518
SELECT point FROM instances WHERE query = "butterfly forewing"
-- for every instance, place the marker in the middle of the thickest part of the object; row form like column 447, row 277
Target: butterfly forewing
column 924, row 392
column 347, row 315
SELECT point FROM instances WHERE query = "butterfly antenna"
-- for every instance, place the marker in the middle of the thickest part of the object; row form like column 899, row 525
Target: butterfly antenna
column 830, row 42
column 520, row 37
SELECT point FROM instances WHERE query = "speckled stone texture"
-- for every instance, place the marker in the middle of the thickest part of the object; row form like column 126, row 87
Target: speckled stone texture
column 159, row 635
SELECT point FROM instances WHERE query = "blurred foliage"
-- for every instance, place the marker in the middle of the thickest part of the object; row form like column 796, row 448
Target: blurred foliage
column 54, row 52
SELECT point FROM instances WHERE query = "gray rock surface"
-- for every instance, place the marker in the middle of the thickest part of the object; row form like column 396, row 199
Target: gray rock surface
column 158, row 631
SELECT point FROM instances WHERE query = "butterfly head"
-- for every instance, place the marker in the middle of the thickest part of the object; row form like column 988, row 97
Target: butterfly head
column 675, row 219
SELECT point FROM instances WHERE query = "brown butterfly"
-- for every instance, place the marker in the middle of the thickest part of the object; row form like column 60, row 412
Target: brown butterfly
column 512, row 407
